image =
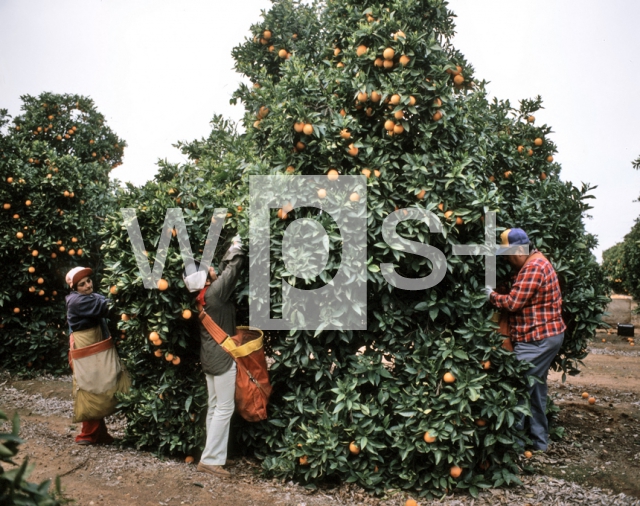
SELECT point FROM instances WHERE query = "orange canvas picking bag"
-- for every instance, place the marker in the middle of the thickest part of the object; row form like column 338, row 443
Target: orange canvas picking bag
column 252, row 379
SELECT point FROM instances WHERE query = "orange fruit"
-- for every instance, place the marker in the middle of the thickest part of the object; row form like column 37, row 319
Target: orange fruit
column 585, row 395
column 158, row 353
column 27, row 203
column 366, row 173
column 448, row 377
column 32, row 289
column 256, row 124
column 530, row 152
column 437, row 103
column 163, row 284
column 429, row 438
column 66, row 193
column 266, row 34
column 398, row 129
column 354, row 448
column 531, row 119
column 486, row 365
column 353, row 151
column 437, row 116
column 71, row 252
column 376, row 173
column 378, row 62
column 520, row 149
column 507, row 174
column 332, row 174
column 34, row 253
column 410, row 502
column 19, row 235
column 528, row 454
column 395, row 99
column 322, row 193
column 282, row 214
column 421, row 194
column 308, row 129
column 458, row 79
column 16, row 216
column 16, row 310
column 354, row 197
column 342, row 113
column 282, row 53
column 404, row 60
column 592, row 400
column 538, row 141
column 398, row 114
column 9, row 180
column 271, row 49
column 362, row 97
column 549, row 158
column 300, row 146
column 298, row 126
column 304, row 461
column 362, row 49
column 336, row 51
column 154, row 336
column 480, row 422
column 176, row 361
column 290, row 169
column 40, row 281
column 6, row 206
column 375, row 96
column 412, row 100
column 389, row 125
column 455, row 471
column 186, row 314
column 79, row 252
column 124, row 317
column 543, row 176
column 448, row 214
column 340, row 65
column 459, row 221
column 189, row 459
column 388, row 54
column 345, row 134
column 169, row 357
column 62, row 249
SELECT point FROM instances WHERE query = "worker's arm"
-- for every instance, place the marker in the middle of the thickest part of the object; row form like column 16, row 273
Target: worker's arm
column 526, row 285
column 222, row 288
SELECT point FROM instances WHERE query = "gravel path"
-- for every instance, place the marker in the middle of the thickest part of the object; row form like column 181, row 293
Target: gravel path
column 114, row 467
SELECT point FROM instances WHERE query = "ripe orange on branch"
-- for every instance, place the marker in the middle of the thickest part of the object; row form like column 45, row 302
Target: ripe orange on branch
column 163, row 284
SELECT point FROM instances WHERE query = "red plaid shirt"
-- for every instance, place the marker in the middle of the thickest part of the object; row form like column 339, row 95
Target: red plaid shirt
column 535, row 302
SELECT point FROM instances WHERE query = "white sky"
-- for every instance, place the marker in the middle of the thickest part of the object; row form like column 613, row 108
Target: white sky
column 160, row 69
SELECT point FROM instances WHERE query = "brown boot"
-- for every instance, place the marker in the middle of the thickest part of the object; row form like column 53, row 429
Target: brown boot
column 218, row 471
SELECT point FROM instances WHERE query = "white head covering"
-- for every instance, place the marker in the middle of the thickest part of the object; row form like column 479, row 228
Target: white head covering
column 76, row 274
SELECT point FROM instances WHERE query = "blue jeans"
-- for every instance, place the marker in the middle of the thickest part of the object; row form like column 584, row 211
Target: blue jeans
column 540, row 354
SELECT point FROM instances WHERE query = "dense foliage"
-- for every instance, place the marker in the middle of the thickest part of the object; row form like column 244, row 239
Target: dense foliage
column 327, row 93
column 55, row 160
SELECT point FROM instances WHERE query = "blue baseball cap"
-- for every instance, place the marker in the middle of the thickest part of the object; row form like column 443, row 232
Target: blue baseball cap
column 510, row 238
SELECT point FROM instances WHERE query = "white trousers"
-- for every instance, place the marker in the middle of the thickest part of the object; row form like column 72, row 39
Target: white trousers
column 222, row 390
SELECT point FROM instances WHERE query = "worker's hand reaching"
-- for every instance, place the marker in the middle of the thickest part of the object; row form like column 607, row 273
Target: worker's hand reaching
column 236, row 243
column 487, row 290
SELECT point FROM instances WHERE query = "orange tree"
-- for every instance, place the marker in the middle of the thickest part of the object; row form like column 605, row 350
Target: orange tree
column 425, row 398
column 55, row 160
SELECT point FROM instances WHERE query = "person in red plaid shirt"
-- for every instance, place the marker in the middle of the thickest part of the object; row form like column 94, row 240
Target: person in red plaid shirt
column 534, row 304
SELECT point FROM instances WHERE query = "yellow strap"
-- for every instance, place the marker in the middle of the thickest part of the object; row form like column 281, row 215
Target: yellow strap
column 241, row 351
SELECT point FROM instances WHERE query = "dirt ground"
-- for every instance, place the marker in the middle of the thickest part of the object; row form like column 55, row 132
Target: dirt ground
column 601, row 449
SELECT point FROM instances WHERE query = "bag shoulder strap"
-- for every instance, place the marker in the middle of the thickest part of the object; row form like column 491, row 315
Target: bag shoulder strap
column 218, row 335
